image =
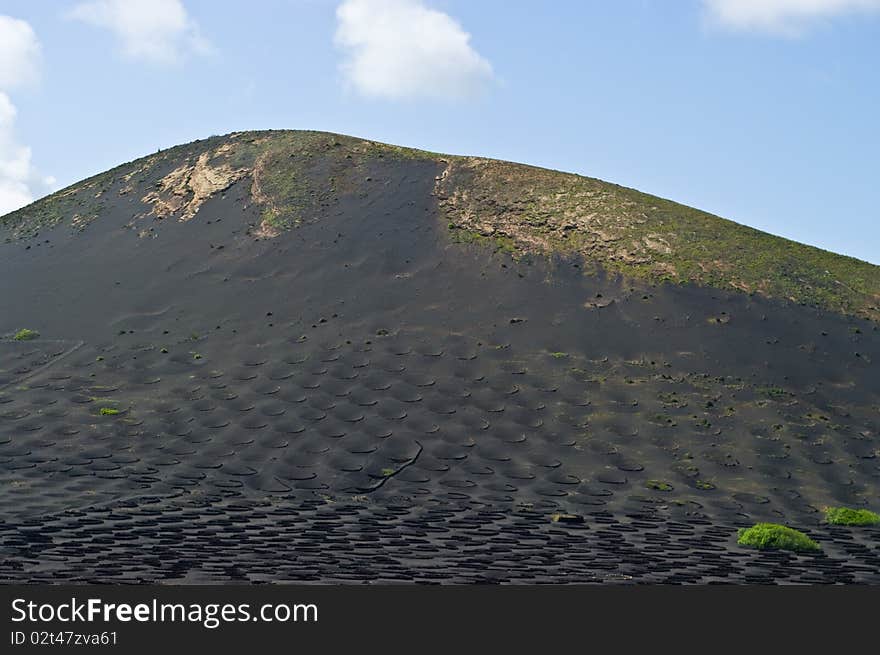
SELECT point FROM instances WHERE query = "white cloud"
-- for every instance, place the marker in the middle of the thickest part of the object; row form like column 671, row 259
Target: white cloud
column 785, row 17
column 19, row 53
column 402, row 49
column 19, row 66
column 15, row 162
column 157, row 31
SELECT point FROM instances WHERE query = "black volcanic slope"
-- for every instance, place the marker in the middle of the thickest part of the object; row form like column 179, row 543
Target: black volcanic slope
column 294, row 356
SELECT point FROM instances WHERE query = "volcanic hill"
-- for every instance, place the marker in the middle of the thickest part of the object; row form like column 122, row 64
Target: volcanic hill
column 292, row 356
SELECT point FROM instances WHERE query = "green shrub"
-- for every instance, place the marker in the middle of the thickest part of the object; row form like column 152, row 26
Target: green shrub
column 771, row 536
column 658, row 485
column 847, row 516
column 26, row 335
column 109, row 411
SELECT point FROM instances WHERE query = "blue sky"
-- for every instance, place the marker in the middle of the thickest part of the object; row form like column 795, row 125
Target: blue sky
column 761, row 111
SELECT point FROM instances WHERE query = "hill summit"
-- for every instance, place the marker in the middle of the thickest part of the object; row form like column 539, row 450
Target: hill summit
column 299, row 356
column 292, row 175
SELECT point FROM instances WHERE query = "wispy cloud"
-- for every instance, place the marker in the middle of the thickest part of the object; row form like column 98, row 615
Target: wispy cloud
column 19, row 66
column 398, row 49
column 19, row 53
column 156, row 31
column 782, row 17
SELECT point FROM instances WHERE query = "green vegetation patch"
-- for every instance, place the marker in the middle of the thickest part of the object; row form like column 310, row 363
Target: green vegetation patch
column 499, row 243
column 26, row 335
column 658, row 485
column 108, row 411
column 274, row 220
column 848, row 516
column 772, row 536
column 772, row 392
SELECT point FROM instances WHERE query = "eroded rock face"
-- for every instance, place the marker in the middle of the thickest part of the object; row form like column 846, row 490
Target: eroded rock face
column 544, row 211
column 185, row 189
